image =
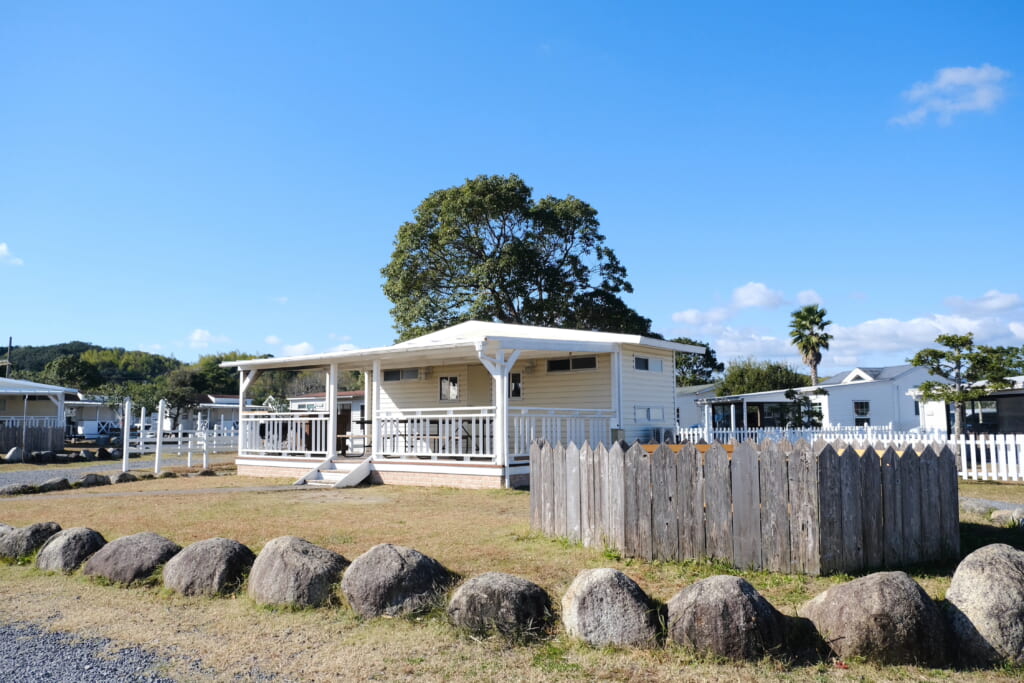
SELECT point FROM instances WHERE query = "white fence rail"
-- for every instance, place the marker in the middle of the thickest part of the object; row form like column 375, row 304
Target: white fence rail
column 991, row 457
column 555, row 426
column 198, row 443
column 439, row 433
column 291, row 433
column 884, row 434
column 30, row 422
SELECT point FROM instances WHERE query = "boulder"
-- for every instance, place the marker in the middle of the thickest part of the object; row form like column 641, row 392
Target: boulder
column 55, row 484
column 93, row 479
column 86, row 454
column 61, row 459
column 131, row 558
column 293, row 572
column 16, row 454
column 17, row 489
column 725, row 616
column 206, row 473
column 66, row 550
column 24, row 541
column 210, row 567
column 391, row 580
column 166, row 475
column 34, row 457
column 102, row 454
column 985, row 604
column 885, row 618
column 4, row 528
column 500, row 602
column 125, row 477
column 116, row 454
column 46, row 457
column 605, row 607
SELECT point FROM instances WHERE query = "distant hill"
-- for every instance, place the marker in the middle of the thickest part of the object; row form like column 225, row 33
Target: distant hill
column 35, row 358
column 111, row 364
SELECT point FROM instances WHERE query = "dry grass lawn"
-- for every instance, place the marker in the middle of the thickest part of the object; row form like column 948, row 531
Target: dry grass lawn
column 470, row 532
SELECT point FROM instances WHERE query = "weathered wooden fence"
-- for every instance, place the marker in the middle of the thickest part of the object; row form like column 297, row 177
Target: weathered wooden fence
column 31, row 438
column 783, row 507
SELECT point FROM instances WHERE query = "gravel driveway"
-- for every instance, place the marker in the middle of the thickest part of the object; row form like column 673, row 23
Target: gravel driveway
column 41, row 473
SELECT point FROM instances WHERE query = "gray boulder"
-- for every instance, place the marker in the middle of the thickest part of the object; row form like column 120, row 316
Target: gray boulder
column 500, row 602
column 102, row 454
column 17, row 489
column 391, row 580
column 55, row 484
column 16, row 454
column 4, row 528
column 986, row 606
column 66, row 550
column 605, row 607
column 46, row 457
column 116, row 454
column 125, row 478
column 131, row 558
column 885, row 618
column 24, row 541
column 725, row 616
column 293, row 572
column 210, row 567
column 93, row 479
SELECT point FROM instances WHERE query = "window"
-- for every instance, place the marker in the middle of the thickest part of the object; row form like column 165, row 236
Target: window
column 449, row 388
column 401, row 374
column 861, row 413
column 648, row 413
column 515, row 385
column 574, row 363
column 648, row 364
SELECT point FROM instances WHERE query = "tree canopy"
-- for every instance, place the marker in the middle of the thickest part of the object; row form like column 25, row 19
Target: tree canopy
column 693, row 369
column 807, row 330
column 970, row 371
column 749, row 376
column 487, row 250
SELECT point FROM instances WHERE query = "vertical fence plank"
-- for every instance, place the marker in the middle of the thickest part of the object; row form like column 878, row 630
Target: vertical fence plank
column 872, row 529
column 892, row 509
column 548, row 482
column 587, row 511
column 536, row 491
column 776, row 546
column 804, row 527
column 853, row 526
column 558, row 475
column 746, row 504
column 616, row 496
column 572, row 493
column 644, row 500
column 910, row 480
column 949, row 506
column 631, row 545
column 665, row 503
column 691, row 498
column 830, row 509
column 931, row 530
column 718, row 503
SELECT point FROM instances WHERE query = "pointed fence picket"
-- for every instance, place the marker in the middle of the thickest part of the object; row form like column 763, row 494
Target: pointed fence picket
column 814, row 509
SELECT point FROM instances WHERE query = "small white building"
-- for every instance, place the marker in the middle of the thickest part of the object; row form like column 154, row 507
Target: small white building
column 857, row 398
column 1000, row 412
column 461, row 406
column 688, row 413
column 32, row 415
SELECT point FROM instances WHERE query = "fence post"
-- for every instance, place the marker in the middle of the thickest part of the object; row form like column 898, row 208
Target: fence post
column 161, row 411
column 126, row 433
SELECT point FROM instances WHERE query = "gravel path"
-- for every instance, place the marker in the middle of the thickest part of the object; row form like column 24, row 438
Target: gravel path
column 41, row 473
column 31, row 654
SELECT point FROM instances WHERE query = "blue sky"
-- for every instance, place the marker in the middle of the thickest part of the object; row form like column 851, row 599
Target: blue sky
column 195, row 177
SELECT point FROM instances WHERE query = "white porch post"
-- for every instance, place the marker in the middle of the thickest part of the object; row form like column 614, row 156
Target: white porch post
column 708, row 422
column 732, row 416
column 499, row 367
column 332, row 411
column 616, row 393
column 375, row 410
column 126, row 433
column 24, row 424
column 745, row 425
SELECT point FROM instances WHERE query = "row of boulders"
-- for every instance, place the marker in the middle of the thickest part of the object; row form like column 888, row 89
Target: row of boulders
column 63, row 483
column 886, row 617
column 20, row 455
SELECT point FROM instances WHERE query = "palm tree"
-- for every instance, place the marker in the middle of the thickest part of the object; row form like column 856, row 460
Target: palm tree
column 807, row 330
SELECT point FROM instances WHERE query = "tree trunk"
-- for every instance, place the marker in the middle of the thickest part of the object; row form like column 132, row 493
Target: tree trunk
column 959, row 417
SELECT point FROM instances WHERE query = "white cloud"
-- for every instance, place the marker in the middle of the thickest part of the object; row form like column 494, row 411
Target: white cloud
column 756, row 295
column 7, row 257
column 272, row 339
column 1017, row 329
column 733, row 344
column 300, row 349
column 991, row 301
column 954, row 90
column 808, row 297
column 200, row 339
column 693, row 316
column 344, row 347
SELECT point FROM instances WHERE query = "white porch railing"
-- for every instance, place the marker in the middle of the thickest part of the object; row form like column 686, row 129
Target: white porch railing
column 296, row 434
column 30, row 422
column 438, row 434
column 555, row 426
column 885, row 434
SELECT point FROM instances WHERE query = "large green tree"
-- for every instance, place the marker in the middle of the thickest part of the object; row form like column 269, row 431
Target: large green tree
column 807, row 330
column 749, row 376
column 693, row 369
column 487, row 250
column 970, row 371
column 71, row 371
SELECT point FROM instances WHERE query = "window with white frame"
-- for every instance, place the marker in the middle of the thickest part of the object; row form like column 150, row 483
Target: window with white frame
column 644, row 364
column 401, row 374
column 648, row 413
column 449, row 388
column 515, row 385
column 572, row 363
column 861, row 413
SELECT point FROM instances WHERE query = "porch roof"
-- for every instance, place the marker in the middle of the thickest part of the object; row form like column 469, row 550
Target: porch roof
column 21, row 387
column 464, row 341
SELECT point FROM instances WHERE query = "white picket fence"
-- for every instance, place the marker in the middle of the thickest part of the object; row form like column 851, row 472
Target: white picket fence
column 867, row 434
column 991, row 457
column 195, row 443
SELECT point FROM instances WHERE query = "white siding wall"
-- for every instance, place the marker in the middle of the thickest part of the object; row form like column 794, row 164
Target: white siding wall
column 579, row 389
column 425, row 392
column 646, row 389
column 889, row 402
